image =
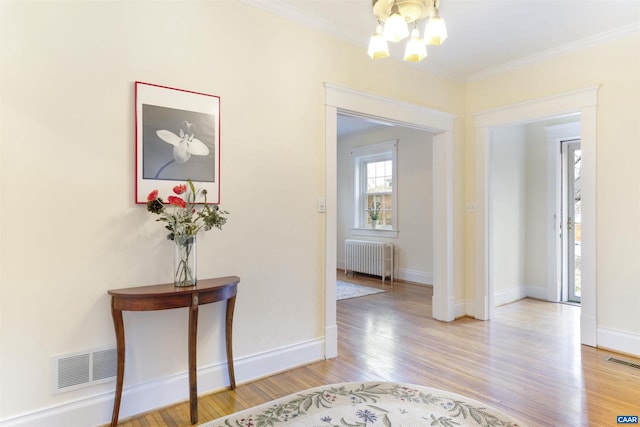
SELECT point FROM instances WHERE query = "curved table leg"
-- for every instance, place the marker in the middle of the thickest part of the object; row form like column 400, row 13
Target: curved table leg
column 193, row 380
column 119, row 328
column 231, row 303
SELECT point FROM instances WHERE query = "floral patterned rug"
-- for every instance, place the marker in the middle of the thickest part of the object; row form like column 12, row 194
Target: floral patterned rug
column 369, row 404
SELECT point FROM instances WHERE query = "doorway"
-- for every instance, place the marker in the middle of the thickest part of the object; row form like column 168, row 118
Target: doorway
column 583, row 102
column 340, row 99
column 405, row 192
column 571, row 221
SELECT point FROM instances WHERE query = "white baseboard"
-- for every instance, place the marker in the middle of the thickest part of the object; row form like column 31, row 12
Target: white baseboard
column 537, row 292
column 621, row 341
column 331, row 341
column 510, row 295
column 588, row 328
column 96, row 410
column 414, row 276
column 464, row 308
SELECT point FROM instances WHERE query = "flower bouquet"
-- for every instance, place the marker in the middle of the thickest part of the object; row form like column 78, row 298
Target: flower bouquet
column 184, row 217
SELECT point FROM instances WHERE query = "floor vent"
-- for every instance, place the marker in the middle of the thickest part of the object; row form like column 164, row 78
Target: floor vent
column 77, row 370
column 622, row 362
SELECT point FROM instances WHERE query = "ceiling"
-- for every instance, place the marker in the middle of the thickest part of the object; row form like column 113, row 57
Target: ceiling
column 484, row 35
column 347, row 125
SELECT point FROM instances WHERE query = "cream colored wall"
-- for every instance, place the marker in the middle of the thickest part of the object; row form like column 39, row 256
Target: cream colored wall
column 413, row 247
column 70, row 230
column 615, row 66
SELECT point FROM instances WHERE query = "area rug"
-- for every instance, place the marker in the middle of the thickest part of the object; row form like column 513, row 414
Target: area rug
column 345, row 290
column 369, row 404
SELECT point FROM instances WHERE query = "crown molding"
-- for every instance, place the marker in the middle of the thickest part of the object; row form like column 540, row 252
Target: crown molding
column 565, row 49
column 283, row 10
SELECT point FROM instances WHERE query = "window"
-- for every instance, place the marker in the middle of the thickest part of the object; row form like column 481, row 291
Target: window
column 375, row 186
column 378, row 194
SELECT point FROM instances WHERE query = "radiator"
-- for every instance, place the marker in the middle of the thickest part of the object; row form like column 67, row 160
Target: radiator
column 375, row 258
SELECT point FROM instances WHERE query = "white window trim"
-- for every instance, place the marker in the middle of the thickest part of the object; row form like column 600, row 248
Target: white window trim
column 367, row 153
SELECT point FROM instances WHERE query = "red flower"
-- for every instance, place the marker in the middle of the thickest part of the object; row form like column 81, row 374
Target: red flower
column 179, row 189
column 177, row 201
column 152, row 196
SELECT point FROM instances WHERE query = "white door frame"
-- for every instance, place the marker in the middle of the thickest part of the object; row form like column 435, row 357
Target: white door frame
column 584, row 102
column 339, row 99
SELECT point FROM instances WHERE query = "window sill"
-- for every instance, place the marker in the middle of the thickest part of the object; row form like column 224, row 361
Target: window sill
column 377, row 232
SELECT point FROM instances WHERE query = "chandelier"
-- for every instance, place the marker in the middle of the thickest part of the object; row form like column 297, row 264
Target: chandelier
column 397, row 16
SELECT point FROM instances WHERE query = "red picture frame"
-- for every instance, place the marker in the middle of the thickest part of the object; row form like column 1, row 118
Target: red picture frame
column 177, row 138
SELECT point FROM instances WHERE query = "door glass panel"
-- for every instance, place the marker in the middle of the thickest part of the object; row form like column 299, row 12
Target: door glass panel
column 577, row 220
column 572, row 221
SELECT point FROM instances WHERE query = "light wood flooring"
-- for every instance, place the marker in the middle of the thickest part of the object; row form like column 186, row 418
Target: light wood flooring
column 528, row 361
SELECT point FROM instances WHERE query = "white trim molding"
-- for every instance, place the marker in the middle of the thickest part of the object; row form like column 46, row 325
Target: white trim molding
column 620, row 341
column 360, row 104
column 413, row 276
column 378, row 232
column 510, row 295
column 565, row 49
column 583, row 102
column 330, row 230
column 139, row 398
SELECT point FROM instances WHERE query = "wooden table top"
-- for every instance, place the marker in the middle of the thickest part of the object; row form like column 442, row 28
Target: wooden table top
column 170, row 288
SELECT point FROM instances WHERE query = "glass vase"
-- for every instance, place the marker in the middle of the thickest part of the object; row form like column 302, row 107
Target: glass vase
column 184, row 263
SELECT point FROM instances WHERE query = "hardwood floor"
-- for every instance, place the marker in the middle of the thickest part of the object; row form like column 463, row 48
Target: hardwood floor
column 527, row 361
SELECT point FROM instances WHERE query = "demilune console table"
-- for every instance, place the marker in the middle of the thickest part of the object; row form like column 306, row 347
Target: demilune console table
column 166, row 296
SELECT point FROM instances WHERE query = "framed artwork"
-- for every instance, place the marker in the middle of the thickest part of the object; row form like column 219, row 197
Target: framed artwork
column 177, row 138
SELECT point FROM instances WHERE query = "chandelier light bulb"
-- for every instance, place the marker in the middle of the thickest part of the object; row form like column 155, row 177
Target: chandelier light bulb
column 416, row 50
column 395, row 27
column 394, row 18
column 436, row 31
column 378, row 47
